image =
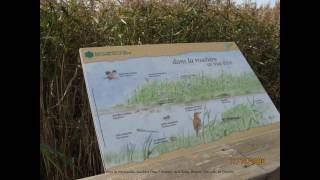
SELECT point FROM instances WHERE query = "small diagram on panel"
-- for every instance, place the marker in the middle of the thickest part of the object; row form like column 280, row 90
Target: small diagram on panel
column 111, row 75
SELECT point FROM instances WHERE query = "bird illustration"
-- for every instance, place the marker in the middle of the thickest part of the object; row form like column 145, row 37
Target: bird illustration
column 166, row 117
column 196, row 122
column 172, row 138
column 111, row 75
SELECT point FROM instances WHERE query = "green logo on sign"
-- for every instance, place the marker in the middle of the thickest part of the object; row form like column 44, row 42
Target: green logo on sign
column 227, row 45
column 88, row 54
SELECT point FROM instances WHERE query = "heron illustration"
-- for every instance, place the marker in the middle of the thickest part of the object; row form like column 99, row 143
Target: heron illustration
column 196, row 122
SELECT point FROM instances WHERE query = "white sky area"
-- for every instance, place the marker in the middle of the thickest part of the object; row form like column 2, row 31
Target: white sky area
column 259, row 2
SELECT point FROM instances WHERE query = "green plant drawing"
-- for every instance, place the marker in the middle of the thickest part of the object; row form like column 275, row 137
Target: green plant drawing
column 199, row 87
column 147, row 147
column 238, row 118
column 130, row 150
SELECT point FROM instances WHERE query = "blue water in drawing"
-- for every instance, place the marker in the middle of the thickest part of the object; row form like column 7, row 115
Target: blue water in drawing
column 151, row 119
column 108, row 93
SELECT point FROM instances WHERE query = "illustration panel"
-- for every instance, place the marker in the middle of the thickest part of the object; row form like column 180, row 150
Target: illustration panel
column 145, row 106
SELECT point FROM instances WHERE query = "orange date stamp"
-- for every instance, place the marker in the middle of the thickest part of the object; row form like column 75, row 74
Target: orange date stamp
column 247, row 161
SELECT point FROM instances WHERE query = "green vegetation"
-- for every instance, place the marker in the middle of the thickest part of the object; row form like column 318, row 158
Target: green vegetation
column 239, row 118
column 129, row 154
column 69, row 147
column 247, row 118
column 147, row 147
column 194, row 88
